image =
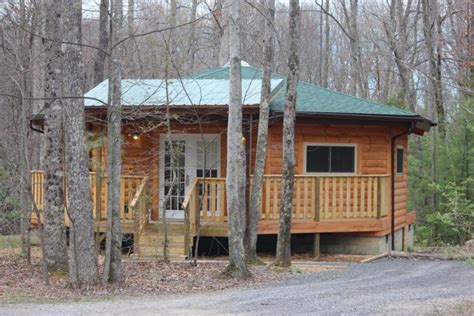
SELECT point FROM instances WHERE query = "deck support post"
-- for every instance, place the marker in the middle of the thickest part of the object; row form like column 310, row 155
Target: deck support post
column 405, row 238
column 317, row 245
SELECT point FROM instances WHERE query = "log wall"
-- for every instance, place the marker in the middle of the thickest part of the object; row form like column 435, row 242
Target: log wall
column 141, row 156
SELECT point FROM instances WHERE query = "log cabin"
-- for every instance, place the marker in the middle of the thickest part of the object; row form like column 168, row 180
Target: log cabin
column 351, row 185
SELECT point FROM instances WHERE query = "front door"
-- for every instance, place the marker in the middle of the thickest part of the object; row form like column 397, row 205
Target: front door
column 182, row 158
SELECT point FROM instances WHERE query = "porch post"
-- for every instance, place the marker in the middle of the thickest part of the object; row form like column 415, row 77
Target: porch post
column 317, row 245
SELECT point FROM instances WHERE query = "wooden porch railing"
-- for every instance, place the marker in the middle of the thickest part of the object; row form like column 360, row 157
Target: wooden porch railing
column 330, row 197
column 129, row 187
column 316, row 198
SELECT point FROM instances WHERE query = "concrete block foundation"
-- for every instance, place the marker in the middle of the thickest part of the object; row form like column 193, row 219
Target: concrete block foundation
column 365, row 245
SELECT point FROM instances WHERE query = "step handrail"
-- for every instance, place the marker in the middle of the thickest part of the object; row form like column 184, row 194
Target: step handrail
column 138, row 207
column 190, row 208
column 189, row 192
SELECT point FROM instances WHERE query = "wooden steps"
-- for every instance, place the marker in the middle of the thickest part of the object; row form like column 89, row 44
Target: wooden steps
column 151, row 241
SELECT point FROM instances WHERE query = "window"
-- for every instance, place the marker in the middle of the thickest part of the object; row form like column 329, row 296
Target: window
column 211, row 158
column 174, row 173
column 400, row 160
column 330, row 158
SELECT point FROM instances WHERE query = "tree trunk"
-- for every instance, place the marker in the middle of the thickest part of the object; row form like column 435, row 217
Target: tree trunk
column 217, row 32
column 224, row 38
column 23, row 157
column 397, row 35
column 99, row 64
column 173, row 53
column 235, row 180
column 359, row 84
column 55, row 251
column 113, row 252
column 283, row 252
column 25, row 182
column 37, row 76
column 83, row 269
column 432, row 32
column 260, row 156
column 327, row 48
column 133, row 51
column 192, row 37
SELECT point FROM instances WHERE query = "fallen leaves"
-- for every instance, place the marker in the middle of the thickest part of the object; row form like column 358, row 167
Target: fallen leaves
column 21, row 282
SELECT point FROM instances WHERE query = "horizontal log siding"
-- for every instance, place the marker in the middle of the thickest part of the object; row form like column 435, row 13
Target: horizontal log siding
column 373, row 145
column 373, row 151
column 141, row 156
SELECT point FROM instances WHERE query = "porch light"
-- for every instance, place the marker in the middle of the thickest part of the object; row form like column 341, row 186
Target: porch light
column 244, row 140
column 135, row 136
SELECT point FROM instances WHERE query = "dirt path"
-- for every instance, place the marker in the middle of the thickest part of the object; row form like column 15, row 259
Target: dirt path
column 387, row 286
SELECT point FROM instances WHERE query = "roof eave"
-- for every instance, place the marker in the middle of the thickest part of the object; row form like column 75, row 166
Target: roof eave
column 422, row 124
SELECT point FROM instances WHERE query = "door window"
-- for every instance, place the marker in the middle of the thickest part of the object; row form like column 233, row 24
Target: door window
column 174, row 174
column 207, row 161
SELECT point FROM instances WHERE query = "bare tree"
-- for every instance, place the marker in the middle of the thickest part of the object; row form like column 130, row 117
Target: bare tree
column 83, row 269
column 217, row 31
column 432, row 30
column 224, row 31
column 192, row 37
column 235, row 181
column 54, row 229
column 113, row 252
column 358, row 79
column 260, row 156
column 397, row 34
column 283, row 252
column 99, row 63
column 327, row 48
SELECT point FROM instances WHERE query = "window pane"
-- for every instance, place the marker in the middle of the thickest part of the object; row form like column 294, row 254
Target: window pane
column 342, row 159
column 207, row 151
column 317, row 159
column 399, row 160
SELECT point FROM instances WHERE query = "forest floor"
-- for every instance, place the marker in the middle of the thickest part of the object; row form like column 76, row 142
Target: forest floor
column 384, row 286
column 22, row 282
column 343, row 285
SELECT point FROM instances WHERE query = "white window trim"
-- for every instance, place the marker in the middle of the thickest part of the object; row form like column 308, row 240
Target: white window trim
column 396, row 160
column 331, row 145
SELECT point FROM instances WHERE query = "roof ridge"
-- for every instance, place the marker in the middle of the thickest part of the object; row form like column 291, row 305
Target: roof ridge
column 209, row 71
column 357, row 98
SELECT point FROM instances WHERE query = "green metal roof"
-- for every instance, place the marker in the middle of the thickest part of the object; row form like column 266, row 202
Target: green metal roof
column 211, row 87
column 185, row 92
column 312, row 98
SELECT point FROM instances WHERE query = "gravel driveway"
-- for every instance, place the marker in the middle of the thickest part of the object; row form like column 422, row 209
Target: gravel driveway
column 387, row 286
